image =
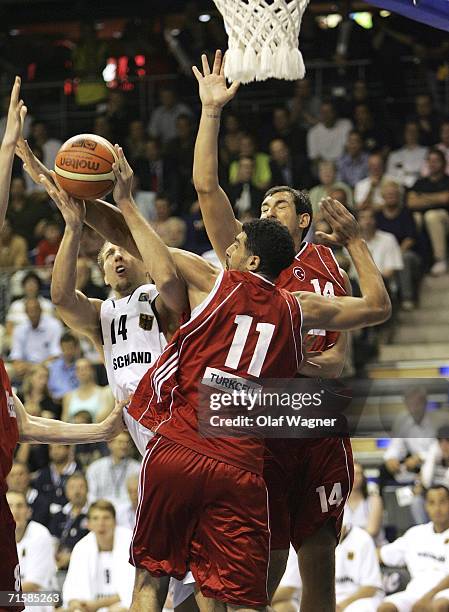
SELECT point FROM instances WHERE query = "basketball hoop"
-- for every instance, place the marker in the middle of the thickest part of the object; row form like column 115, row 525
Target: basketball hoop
column 263, row 39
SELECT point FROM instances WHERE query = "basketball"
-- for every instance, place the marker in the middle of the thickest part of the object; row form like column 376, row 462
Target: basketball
column 83, row 166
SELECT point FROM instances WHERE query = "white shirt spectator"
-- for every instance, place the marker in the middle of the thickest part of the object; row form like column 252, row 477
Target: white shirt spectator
column 36, row 344
column 433, row 470
column 400, row 448
column 405, row 164
column 385, row 251
column 162, row 123
column 126, row 516
column 93, row 574
column 356, row 566
column 36, row 558
column 107, row 480
column 50, row 150
column 328, row 143
column 16, row 313
column 426, row 556
column 362, row 189
column 145, row 203
column 359, row 517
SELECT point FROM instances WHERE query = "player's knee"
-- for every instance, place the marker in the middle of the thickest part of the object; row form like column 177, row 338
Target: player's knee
column 387, row 607
column 440, row 605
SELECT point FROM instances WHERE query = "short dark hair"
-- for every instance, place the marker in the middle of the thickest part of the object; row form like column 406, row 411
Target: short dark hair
column 69, row 337
column 34, row 276
column 439, row 152
column 270, row 241
column 101, row 504
column 301, row 199
column 78, row 475
column 436, row 487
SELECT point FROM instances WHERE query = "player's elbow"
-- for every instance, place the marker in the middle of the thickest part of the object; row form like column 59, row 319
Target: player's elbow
column 204, row 183
column 381, row 310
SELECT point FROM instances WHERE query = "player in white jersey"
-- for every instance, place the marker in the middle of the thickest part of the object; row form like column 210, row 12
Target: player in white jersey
column 424, row 549
column 129, row 330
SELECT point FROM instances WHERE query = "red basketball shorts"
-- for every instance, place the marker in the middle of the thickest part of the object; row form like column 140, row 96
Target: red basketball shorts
column 201, row 514
column 9, row 562
column 308, row 489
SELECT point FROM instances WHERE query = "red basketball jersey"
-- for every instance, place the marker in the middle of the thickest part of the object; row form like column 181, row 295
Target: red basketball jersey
column 315, row 269
column 9, row 430
column 247, row 330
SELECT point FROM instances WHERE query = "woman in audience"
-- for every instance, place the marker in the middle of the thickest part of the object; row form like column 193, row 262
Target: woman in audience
column 363, row 509
column 89, row 396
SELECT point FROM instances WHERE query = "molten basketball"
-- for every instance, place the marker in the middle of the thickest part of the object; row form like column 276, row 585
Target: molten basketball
column 83, row 166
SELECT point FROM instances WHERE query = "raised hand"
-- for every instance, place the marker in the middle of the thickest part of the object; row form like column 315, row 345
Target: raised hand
column 16, row 116
column 214, row 91
column 343, row 224
column 114, row 423
column 124, row 177
column 73, row 210
column 31, row 164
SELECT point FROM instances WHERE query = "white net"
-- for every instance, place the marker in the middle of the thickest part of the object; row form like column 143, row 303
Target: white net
column 263, row 39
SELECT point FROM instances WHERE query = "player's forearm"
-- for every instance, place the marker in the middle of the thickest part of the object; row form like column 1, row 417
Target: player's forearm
column 49, row 431
column 63, row 282
column 6, row 161
column 372, row 286
column 157, row 258
column 205, row 161
column 108, row 221
column 441, row 586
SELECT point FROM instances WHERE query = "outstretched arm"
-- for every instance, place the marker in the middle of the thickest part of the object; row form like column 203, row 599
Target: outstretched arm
column 155, row 253
column 16, row 116
column 49, row 431
column 218, row 216
column 76, row 310
column 346, row 313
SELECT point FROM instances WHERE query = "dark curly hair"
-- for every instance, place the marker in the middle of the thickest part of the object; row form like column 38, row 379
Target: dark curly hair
column 301, row 199
column 272, row 243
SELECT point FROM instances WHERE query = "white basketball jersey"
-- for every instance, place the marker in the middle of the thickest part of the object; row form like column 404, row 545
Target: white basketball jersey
column 132, row 341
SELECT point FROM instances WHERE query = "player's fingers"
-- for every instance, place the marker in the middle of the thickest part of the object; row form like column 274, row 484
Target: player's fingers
column 204, row 61
column 325, row 238
column 197, row 73
column 234, row 87
column 217, row 62
column 15, row 90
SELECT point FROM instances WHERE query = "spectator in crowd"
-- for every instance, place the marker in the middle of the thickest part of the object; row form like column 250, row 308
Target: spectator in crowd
column 282, row 127
column 262, row 173
column 423, row 550
column 230, row 139
column 47, row 248
column 87, row 395
column 304, row 107
column 359, row 95
column 31, row 288
column 87, row 453
column 179, row 151
column 99, row 574
column 136, row 140
column 103, row 127
column 50, row 480
column 412, row 434
column 35, row 393
column 288, row 169
column 405, row 164
column 34, row 549
column 144, row 200
column 70, row 524
column 326, row 140
column 175, row 232
column 358, row 583
column 89, row 59
column 27, row 212
column 427, row 119
column 353, row 164
column 398, row 220
column 430, row 197
column 371, row 132
column 84, row 282
column 36, row 340
column 107, row 476
column 435, row 469
column 62, row 371
column 127, row 515
column 154, row 171
column 163, row 119
column 13, row 248
column 328, row 182
column 170, row 228
column 50, row 146
column 245, row 197
column 365, row 509
column 115, row 111
column 368, row 191
column 443, row 145
column 383, row 246
column 19, row 480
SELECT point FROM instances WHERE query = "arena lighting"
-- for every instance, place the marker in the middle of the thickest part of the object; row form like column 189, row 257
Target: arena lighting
column 329, row 22
column 363, row 19
column 384, row 13
column 204, row 18
column 434, row 13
